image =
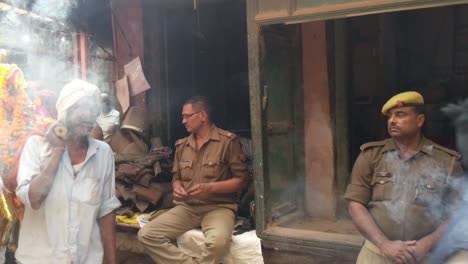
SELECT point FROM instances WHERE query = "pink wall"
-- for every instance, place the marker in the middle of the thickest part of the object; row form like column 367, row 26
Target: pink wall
column 319, row 158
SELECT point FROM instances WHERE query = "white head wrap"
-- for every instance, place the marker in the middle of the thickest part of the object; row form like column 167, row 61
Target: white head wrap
column 72, row 92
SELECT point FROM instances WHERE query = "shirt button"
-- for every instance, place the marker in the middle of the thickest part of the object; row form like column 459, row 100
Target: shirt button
column 429, row 186
column 381, row 182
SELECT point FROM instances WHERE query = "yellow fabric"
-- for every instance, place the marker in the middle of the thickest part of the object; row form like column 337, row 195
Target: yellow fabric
column 9, row 221
column 461, row 257
column 367, row 256
column 403, row 99
column 370, row 253
column 126, row 220
column 369, row 245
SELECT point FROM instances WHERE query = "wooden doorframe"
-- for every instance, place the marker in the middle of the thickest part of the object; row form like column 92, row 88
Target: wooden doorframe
column 254, row 23
column 294, row 11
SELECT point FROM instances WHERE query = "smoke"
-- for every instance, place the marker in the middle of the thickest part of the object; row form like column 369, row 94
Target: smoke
column 37, row 40
column 38, row 36
column 455, row 239
column 459, row 114
column 418, row 181
column 58, row 10
column 287, row 203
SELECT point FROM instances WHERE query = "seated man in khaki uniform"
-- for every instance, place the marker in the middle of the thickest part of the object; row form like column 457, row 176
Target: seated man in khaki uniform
column 207, row 174
column 403, row 188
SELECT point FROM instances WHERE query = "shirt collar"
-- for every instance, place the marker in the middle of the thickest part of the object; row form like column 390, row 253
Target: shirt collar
column 212, row 135
column 93, row 147
column 425, row 146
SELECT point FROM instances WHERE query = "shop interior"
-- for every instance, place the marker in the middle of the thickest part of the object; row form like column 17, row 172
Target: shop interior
column 200, row 48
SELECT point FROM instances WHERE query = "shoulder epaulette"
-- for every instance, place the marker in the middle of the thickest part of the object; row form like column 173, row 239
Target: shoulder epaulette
column 227, row 133
column 372, row 144
column 181, row 141
column 448, row 151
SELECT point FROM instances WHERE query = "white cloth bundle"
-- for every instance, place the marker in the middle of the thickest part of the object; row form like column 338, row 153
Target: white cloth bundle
column 245, row 248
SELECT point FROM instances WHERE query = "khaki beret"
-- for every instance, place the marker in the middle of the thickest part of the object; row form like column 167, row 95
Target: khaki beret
column 403, row 99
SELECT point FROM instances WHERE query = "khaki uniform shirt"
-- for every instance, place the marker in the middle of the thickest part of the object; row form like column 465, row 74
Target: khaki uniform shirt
column 219, row 159
column 407, row 197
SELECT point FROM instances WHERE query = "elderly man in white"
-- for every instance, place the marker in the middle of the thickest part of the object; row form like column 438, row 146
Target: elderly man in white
column 67, row 187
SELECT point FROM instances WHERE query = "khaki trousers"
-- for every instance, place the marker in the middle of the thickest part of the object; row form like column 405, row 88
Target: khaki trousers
column 461, row 257
column 217, row 223
column 370, row 254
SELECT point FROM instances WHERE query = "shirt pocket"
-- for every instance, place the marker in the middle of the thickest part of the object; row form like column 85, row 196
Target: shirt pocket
column 382, row 186
column 88, row 191
column 186, row 170
column 212, row 169
column 429, row 193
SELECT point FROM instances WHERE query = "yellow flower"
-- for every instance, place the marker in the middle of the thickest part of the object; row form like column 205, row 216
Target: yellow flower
column 13, row 110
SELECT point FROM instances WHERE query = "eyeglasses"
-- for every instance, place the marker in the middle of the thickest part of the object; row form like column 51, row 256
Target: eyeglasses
column 188, row 116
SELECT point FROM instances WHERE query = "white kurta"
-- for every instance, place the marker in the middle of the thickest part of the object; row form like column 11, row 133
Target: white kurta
column 108, row 123
column 65, row 228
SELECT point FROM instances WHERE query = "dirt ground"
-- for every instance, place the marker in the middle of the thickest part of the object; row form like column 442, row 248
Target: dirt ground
column 126, row 257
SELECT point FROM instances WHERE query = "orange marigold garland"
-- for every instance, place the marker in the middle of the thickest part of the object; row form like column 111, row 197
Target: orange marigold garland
column 16, row 119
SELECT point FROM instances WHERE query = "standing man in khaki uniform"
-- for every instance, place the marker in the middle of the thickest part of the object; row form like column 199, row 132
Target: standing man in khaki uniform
column 207, row 174
column 403, row 188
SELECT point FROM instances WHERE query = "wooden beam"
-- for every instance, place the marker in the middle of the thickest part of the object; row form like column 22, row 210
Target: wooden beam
column 76, row 55
column 84, row 54
column 343, row 10
column 253, row 36
column 318, row 134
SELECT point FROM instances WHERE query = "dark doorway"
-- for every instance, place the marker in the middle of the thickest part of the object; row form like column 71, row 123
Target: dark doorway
column 206, row 54
column 422, row 50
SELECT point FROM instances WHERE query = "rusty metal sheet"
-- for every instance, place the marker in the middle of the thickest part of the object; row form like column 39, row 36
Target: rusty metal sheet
column 123, row 94
column 127, row 25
